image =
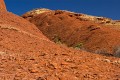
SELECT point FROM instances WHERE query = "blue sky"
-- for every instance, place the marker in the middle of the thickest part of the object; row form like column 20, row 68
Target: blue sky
column 105, row 8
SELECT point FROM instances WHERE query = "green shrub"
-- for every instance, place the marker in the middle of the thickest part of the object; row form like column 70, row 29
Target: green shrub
column 79, row 45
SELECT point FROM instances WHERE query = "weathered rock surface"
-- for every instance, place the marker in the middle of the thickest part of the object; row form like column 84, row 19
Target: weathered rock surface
column 73, row 29
column 2, row 6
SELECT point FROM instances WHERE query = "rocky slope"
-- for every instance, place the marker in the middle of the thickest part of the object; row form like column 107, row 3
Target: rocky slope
column 26, row 54
column 94, row 33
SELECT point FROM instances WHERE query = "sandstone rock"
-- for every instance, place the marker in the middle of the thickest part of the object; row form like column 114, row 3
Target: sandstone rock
column 75, row 28
column 2, row 6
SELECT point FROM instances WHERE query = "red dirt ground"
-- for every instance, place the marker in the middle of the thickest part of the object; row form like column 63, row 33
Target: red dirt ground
column 72, row 30
column 26, row 54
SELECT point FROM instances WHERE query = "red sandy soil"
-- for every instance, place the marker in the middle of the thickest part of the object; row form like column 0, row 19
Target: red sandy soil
column 72, row 30
column 26, row 54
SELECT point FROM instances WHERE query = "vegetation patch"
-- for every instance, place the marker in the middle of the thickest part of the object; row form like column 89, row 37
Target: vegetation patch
column 78, row 46
column 57, row 39
column 116, row 51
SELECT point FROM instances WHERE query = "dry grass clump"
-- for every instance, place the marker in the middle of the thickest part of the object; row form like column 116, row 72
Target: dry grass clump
column 116, row 51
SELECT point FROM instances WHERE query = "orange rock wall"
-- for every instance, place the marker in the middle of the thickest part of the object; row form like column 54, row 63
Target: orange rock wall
column 2, row 6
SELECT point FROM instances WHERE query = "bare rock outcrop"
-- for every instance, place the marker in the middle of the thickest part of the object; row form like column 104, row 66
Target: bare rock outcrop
column 75, row 28
column 2, row 6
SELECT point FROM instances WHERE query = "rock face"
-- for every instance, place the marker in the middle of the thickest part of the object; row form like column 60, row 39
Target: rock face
column 2, row 6
column 85, row 17
column 81, row 16
column 74, row 29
